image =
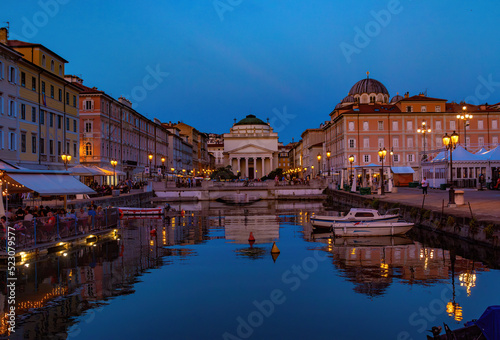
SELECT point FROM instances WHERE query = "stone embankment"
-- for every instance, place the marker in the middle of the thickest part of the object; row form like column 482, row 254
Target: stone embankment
column 477, row 221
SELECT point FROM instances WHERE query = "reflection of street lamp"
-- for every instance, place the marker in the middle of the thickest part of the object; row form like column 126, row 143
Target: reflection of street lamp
column 163, row 167
column 150, row 156
column 450, row 142
column 351, row 160
column 381, row 154
column 465, row 117
column 328, row 154
column 312, row 171
column 319, row 166
column 423, row 130
column 173, row 171
column 114, row 164
column 66, row 159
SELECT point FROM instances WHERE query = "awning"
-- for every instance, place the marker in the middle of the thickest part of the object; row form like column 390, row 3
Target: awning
column 402, row 170
column 116, row 171
column 81, row 170
column 49, row 184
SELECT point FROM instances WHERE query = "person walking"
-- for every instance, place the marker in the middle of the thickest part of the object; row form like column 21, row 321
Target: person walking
column 425, row 185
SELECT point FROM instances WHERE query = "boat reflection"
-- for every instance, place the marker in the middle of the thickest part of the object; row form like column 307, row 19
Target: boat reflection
column 264, row 228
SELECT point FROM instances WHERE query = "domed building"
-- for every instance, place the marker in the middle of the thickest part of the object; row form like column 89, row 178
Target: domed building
column 396, row 98
column 251, row 148
column 369, row 91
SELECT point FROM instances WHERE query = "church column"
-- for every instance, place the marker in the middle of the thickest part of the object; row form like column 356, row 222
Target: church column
column 247, row 173
column 263, row 166
column 239, row 164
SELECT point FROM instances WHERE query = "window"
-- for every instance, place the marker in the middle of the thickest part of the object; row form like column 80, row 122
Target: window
column 480, row 125
column 1, row 104
column 12, row 108
column 51, row 119
column 1, row 70
column 351, row 126
column 74, row 101
column 51, row 147
column 438, row 125
column 60, row 95
column 59, row 148
column 23, row 142
column 409, row 125
column 409, row 142
column 366, row 158
column 480, row 141
column 59, row 122
column 395, row 142
column 12, row 74
column 395, row 126
column 52, row 91
column 423, row 108
column 396, row 158
column 366, row 143
column 43, row 60
column 452, row 125
column 43, row 87
column 74, row 125
column 42, row 117
column 494, row 124
column 33, row 143
column 67, row 98
column 409, row 109
column 380, row 125
column 60, row 70
column 88, row 105
column 67, row 148
column 352, row 143
column 74, row 150
column 494, row 139
column 365, row 126
column 12, row 141
column 67, row 124
column 381, row 142
column 52, row 65
column 42, row 146
column 33, row 114
column 23, row 111
column 88, row 126
column 410, row 158
column 88, row 149
column 33, row 83
column 23, row 79
column 1, row 139
column 438, row 108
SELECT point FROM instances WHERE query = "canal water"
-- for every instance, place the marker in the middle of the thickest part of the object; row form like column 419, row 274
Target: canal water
column 200, row 278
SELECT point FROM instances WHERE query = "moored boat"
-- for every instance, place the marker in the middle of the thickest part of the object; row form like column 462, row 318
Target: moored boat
column 140, row 211
column 355, row 215
column 370, row 228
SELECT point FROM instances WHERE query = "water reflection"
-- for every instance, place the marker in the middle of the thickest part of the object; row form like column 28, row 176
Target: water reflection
column 61, row 293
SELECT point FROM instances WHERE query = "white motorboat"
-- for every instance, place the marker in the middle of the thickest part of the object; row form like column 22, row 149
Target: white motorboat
column 366, row 228
column 355, row 215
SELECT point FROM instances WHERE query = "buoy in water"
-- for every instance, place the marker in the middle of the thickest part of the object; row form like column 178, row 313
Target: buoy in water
column 152, row 232
column 183, row 213
column 251, row 243
column 251, row 238
column 275, row 249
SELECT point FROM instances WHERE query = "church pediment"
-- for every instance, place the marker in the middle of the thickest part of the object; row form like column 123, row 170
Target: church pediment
column 251, row 149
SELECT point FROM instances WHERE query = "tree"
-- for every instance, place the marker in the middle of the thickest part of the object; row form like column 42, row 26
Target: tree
column 223, row 173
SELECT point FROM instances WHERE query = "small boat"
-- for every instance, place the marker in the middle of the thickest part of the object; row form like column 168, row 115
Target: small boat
column 140, row 211
column 355, row 215
column 369, row 228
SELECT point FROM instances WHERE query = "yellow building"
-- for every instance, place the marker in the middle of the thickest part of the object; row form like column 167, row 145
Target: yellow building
column 47, row 109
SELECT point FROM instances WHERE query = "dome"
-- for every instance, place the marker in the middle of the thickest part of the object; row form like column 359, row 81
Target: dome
column 396, row 98
column 368, row 86
column 348, row 99
column 338, row 106
column 251, row 120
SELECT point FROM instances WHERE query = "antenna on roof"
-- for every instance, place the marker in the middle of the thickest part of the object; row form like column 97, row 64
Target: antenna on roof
column 8, row 29
column 234, row 120
column 368, row 75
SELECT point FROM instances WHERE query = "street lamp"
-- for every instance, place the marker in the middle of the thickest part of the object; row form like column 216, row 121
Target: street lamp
column 319, row 165
column 351, row 160
column 114, row 164
column 66, row 159
column 328, row 154
column 381, row 154
column 150, row 156
column 391, row 154
column 423, row 130
column 450, row 142
column 173, row 171
column 163, row 167
column 465, row 117
column 312, row 171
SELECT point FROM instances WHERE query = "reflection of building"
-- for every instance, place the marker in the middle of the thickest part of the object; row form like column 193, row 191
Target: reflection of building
column 265, row 228
column 251, row 147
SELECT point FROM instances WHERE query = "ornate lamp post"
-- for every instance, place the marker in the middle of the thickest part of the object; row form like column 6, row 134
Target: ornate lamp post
column 450, row 142
column 150, row 156
column 163, row 167
column 423, row 130
column 351, row 160
column 465, row 117
column 114, row 163
column 328, row 154
column 319, row 165
column 382, row 153
column 66, row 159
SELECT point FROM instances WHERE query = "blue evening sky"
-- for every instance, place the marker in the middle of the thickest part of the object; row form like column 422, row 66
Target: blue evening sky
column 289, row 61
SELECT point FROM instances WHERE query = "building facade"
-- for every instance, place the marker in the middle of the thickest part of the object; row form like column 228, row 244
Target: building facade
column 215, row 146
